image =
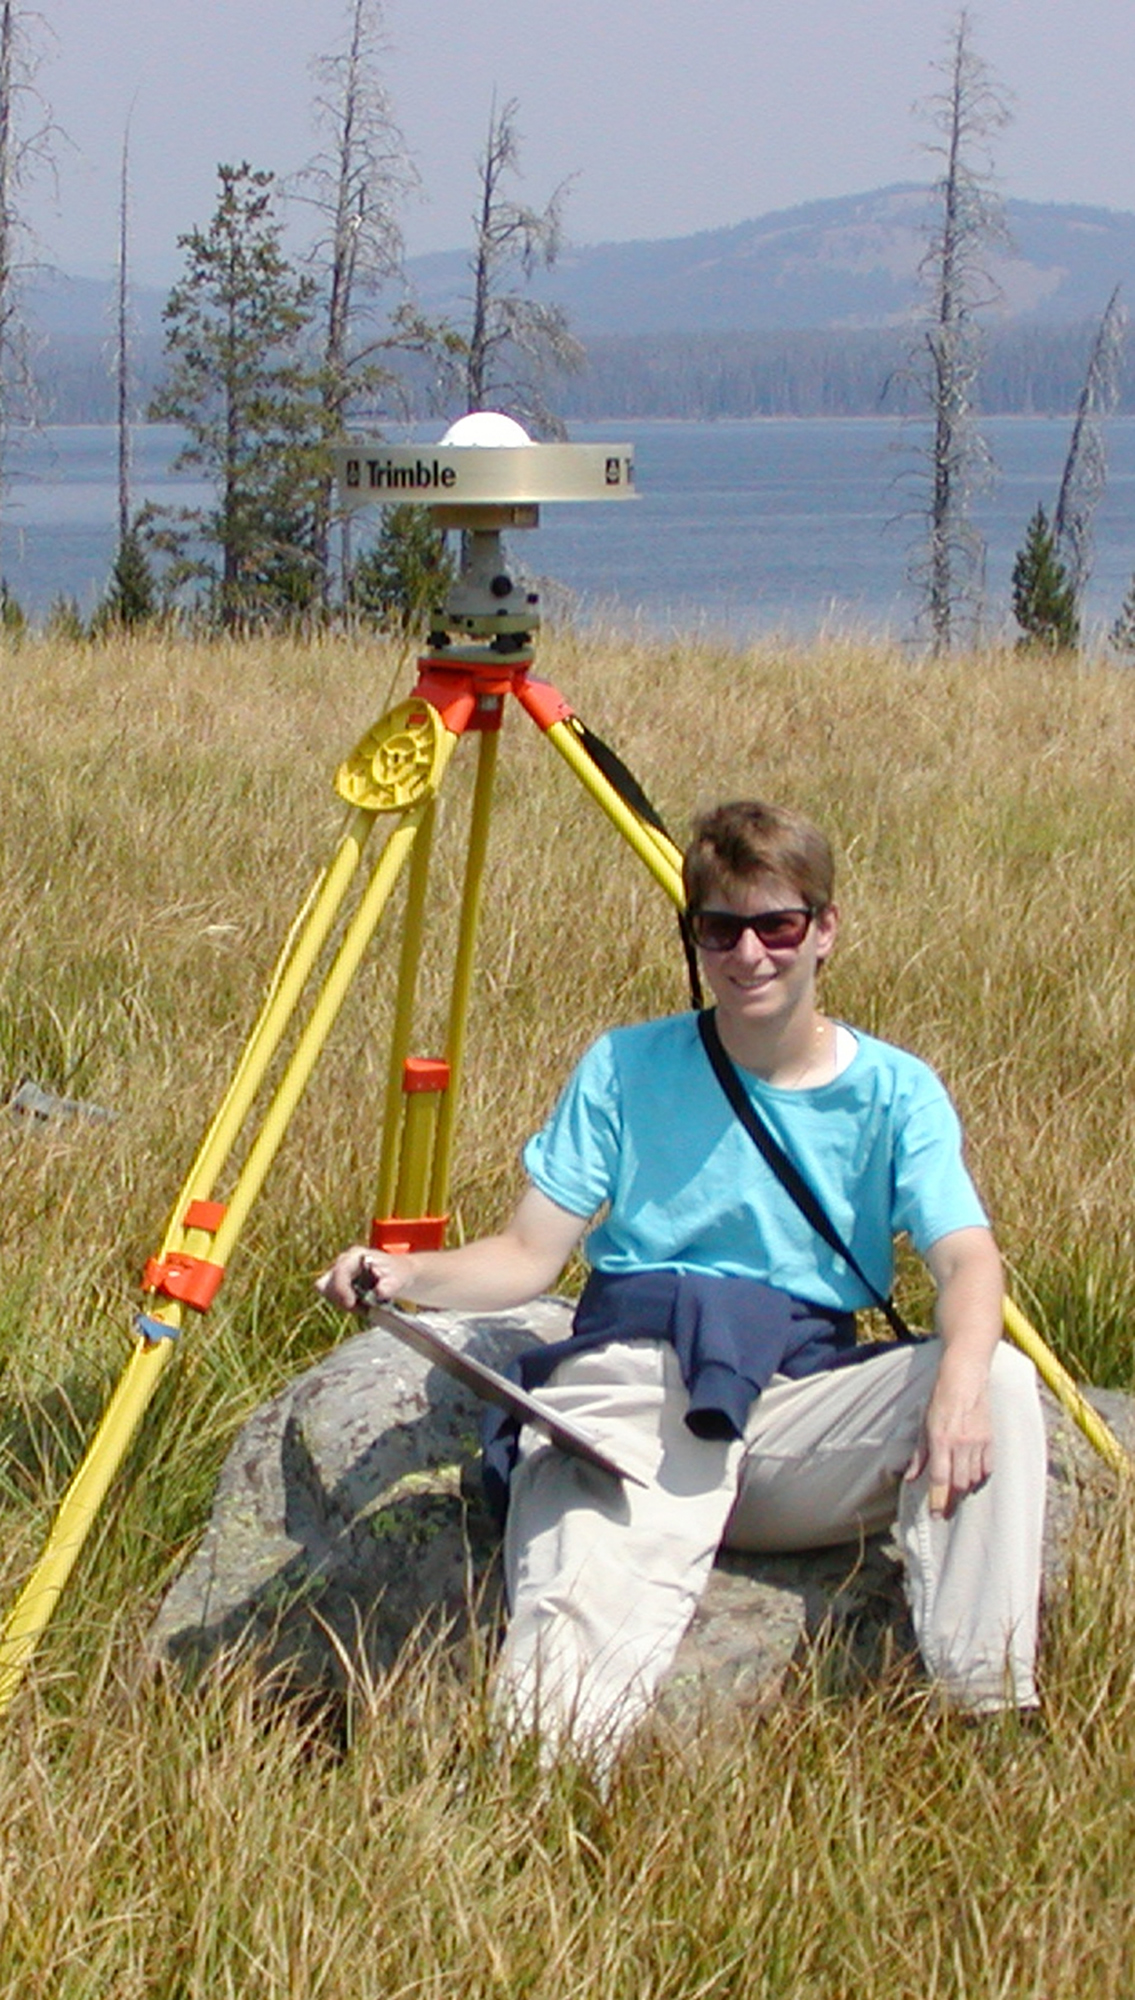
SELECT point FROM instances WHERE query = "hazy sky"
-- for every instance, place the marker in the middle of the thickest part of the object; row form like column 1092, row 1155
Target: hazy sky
column 674, row 115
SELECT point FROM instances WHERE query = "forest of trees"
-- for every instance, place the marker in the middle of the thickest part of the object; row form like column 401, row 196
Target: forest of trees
column 1030, row 370
column 1033, row 370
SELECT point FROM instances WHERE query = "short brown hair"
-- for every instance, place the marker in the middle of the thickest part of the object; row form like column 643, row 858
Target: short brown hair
column 735, row 843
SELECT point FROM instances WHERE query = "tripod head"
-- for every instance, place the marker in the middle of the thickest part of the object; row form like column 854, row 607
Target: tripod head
column 484, row 476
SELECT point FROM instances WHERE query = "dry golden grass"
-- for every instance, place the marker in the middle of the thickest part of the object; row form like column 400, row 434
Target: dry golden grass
column 164, row 809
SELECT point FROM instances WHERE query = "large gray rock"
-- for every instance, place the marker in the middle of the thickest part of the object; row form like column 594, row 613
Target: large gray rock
column 345, row 1517
column 348, row 1517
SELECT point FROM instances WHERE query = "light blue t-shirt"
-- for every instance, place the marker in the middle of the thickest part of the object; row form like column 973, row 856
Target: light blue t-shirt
column 644, row 1130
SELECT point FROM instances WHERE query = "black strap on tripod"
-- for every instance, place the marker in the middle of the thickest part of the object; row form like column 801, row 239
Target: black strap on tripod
column 786, row 1170
column 630, row 791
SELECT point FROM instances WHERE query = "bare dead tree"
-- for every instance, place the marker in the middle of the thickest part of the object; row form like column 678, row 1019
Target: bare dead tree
column 964, row 113
column 26, row 133
column 1085, row 467
column 9, row 221
column 131, row 595
column 356, row 185
column 122, row 341
column 513, row 341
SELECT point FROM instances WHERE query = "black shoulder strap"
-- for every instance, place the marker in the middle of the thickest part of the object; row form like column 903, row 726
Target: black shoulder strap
column 785, row 1169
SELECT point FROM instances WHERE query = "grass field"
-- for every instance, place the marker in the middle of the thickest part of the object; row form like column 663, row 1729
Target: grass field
column 164, row 808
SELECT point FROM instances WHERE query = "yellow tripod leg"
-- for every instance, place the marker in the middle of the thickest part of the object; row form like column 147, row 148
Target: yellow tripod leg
column 87, row 1489
column 396, row 768
column 40, row 1594
column 289, row 977
column 413, row 930
column 331, row 996
column 85, row 1494
column 659, row 854
column 476, row 852
column 1056, row 1377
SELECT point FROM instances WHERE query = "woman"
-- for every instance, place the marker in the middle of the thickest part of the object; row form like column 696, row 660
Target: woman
column 714, row 1347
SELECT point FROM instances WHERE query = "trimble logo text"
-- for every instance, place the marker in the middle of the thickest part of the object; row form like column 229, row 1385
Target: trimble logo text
column 388, row 475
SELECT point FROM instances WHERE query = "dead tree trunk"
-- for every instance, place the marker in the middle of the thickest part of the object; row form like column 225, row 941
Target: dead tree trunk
column 1085, row 468
column 356, row 185
column 958, row 284
column 122, row 344
column 514, row 341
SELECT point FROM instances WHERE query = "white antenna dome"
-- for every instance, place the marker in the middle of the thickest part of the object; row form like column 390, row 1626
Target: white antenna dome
column 486, row 427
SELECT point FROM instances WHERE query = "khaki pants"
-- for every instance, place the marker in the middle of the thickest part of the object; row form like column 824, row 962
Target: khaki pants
column 603, row 1576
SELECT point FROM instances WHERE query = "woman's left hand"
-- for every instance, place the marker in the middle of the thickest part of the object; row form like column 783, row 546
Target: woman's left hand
column 956, row 1447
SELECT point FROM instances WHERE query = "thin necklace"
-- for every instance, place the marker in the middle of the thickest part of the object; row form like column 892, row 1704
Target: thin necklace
column 819, row 1058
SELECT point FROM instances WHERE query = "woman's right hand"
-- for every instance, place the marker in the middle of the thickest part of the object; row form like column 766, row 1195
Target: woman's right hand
column 360, row 1271
column 491, row 1274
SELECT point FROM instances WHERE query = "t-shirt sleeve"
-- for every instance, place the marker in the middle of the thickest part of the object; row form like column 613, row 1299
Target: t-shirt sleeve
column 574, row 1159
column 933, row 1191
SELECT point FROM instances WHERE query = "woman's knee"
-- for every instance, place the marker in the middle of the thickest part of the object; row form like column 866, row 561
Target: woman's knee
column 1011, row 1373
column 1014, row 1395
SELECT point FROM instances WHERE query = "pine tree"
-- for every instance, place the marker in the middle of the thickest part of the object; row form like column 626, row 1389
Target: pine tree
column 241, row 386
column 1044, row 598
column 1122, row 634
column 405, row 575
column 65, row 620
column 132, row 597
column 13, row 622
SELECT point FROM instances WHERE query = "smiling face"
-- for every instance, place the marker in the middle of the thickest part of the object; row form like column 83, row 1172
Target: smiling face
column 762, row 986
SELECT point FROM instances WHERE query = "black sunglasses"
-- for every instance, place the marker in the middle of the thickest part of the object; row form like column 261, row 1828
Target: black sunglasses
column 778, row 930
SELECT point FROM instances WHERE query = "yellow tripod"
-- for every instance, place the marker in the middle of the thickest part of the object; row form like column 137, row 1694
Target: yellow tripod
column 393, row 775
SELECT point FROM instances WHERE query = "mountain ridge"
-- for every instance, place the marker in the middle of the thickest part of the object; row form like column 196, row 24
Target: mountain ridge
column 841, row 261
column 806, row 310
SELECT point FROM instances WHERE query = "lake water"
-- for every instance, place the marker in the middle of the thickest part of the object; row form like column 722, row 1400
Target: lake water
column 742, row 528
